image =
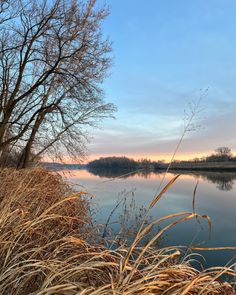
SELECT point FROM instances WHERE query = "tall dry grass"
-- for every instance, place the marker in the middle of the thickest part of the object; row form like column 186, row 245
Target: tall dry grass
column 48, row 246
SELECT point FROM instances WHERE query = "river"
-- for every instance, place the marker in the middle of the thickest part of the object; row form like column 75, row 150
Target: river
column 215, row 197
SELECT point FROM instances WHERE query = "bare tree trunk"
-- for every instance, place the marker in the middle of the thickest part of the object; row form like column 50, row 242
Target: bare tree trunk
column 25, row 156
column 3, row 157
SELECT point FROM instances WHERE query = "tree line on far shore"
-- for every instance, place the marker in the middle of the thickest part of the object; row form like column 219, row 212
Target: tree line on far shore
column 122, row 163
column 221, row 154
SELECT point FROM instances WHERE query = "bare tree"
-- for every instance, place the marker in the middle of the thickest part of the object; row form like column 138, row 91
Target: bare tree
column 224, row 153
column 53, row 59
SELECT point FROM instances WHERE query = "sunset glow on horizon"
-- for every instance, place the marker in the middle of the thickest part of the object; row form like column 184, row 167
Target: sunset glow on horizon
column 159, row 157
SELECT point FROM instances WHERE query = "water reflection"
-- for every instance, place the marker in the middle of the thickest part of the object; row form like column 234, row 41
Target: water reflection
column 216, row 197
column 122, row 173
column 224, row 181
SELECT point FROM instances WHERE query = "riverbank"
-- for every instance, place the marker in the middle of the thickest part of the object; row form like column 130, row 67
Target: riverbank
column 201, row 166
column 49, row 245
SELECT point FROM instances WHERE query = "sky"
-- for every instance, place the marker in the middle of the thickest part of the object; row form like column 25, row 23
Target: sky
column 167, row 55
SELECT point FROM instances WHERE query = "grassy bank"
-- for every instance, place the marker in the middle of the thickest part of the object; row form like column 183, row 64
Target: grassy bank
column 48, row 245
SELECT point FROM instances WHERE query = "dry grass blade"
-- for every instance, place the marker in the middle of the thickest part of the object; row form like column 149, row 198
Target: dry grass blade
column 216, row 276
column 209, row 222
column 157, row 198
column 194, row 195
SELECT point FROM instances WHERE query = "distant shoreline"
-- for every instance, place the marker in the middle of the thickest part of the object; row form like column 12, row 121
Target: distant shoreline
column 207, row 166
column 182, row 166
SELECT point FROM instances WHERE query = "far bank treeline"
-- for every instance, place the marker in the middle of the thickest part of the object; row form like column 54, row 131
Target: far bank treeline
column 123, row 163
column 221, row 159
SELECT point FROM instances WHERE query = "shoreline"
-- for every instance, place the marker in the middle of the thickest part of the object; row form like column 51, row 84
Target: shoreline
column 204, row 167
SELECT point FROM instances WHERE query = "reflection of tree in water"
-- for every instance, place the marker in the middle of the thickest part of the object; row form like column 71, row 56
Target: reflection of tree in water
column 110, row 173
column 118, row 172
column 224, row 181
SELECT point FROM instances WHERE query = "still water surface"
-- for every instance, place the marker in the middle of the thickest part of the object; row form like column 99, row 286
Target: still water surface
column 215, row 197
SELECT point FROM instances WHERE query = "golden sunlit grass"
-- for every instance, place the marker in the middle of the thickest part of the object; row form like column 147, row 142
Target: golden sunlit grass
column 48, row 246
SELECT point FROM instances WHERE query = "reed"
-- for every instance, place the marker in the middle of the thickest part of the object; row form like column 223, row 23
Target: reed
column 48, row 245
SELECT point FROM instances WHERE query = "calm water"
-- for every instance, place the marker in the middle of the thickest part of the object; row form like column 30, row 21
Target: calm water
column 216, row 197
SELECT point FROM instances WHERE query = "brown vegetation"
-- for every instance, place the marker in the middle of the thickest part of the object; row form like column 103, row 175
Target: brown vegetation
column 47, row 246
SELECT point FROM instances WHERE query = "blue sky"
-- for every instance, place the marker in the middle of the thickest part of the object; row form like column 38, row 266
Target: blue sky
column 166, row 53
